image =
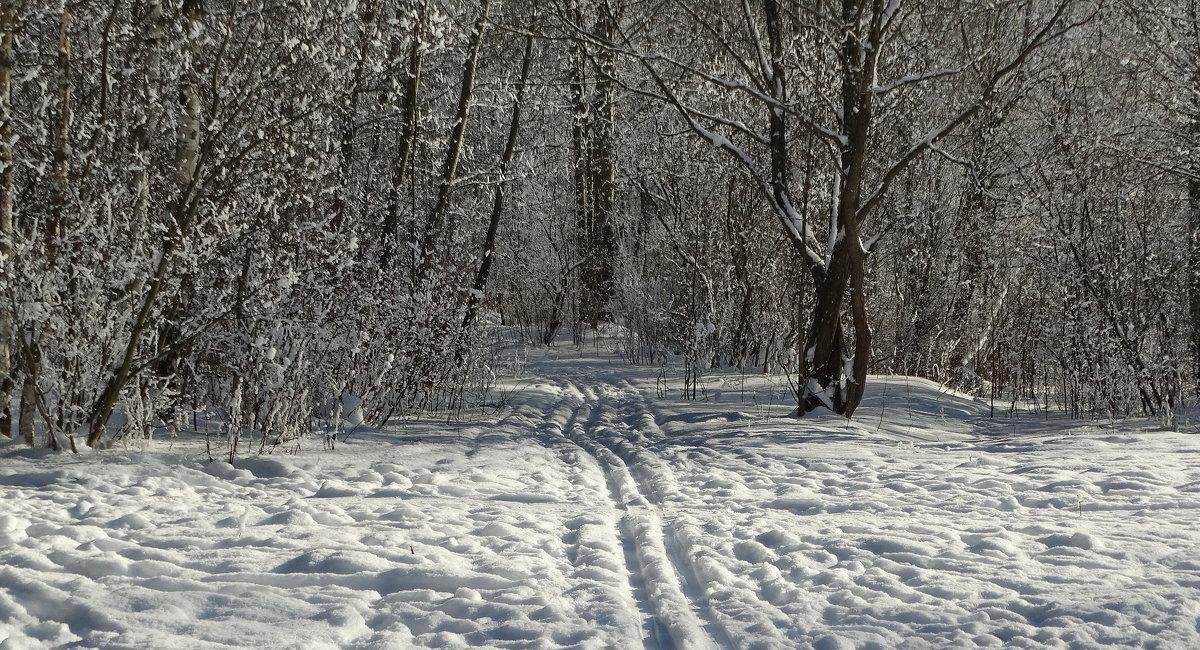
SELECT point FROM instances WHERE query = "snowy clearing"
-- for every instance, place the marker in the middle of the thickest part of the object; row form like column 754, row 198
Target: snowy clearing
column 593, row 513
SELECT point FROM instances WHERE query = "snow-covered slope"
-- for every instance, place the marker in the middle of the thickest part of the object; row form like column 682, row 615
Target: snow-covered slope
column 595, row 513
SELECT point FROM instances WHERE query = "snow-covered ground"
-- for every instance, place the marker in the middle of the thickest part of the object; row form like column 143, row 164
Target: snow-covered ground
column 594, row 513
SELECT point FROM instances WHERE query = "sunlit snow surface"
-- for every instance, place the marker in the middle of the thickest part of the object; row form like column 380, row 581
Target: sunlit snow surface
column 594, row 513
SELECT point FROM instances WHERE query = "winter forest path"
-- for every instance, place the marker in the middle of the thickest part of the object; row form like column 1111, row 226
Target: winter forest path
column 593, row 507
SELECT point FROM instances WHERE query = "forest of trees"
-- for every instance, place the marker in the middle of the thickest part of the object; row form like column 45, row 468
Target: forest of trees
column 254, row 207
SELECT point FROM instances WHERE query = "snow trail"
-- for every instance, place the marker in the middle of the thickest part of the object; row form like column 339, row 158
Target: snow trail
column 640, row 530
column 672, row 560
column 594, row 512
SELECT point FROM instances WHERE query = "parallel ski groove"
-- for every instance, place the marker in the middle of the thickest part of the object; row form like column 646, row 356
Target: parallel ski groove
column 680, row 609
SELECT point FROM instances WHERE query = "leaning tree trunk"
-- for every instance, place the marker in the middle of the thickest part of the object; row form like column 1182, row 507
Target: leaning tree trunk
column 183, row 210
column 435, row 226
column 510, row 149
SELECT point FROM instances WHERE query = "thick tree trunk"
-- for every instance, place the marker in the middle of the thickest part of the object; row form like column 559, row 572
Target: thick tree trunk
column 580, row 136
column 824, row 348
column 846, row 270
column 596, row 190
column 862, row 335
column 1194, row 258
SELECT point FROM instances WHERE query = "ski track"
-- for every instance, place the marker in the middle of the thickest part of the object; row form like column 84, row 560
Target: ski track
column 640, row 533
column 599, row 545
column 695, row 558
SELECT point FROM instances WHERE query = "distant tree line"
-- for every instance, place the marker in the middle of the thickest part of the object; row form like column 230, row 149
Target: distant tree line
column 247, row 210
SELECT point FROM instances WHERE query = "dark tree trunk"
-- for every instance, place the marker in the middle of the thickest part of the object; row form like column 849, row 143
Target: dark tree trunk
column 435, row 226
column 7, row 178
column 510, row 148
column 846, row 270
column 595, row 168
column 408, row 138
column 29, row 392
column 1194, row 255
